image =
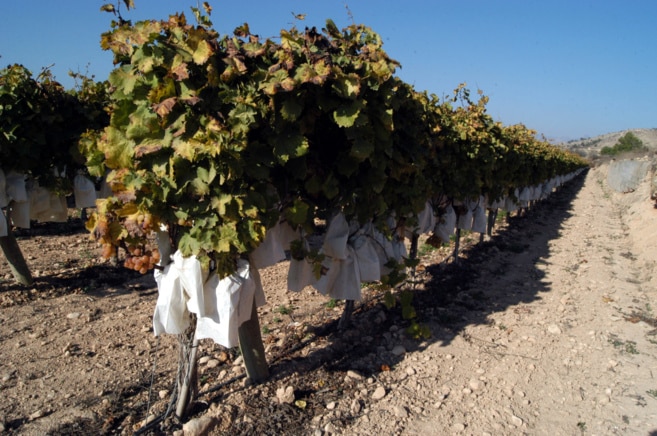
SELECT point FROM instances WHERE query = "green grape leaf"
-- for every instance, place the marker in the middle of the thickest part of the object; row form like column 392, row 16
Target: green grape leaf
column 290, row 145
column 297, row 213
column 347, row 114
column 117, row 148
column 124, row 80
column 291, row 109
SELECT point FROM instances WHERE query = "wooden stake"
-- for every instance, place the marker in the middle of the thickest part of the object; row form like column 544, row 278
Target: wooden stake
column 15, row 257
column 252, row 348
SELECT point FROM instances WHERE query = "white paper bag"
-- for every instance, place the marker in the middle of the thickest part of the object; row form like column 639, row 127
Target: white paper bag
column 445, row 227
column 465, row 220
column 39, row 202
column 337, row 234
column 57, row 212
column 479, row 221
column 342, row 281
column 19, row 212
column 84, row 192
column 299, row 275
column 270, row 251
column 16, row 189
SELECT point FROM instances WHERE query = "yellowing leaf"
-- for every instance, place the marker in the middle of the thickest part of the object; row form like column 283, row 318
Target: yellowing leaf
column 202, row 52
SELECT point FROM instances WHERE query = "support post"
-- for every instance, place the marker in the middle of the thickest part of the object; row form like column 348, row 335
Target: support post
column 252, row 348
column 15, row 258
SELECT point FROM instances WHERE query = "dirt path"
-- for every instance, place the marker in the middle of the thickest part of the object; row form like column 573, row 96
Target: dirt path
column 547, row 328
column 564, row 342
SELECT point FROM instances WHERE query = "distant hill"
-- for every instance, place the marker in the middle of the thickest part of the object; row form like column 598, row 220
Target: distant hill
column 590, row 147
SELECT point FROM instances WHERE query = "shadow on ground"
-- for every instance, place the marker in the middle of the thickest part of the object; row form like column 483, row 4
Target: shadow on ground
column 451, row 300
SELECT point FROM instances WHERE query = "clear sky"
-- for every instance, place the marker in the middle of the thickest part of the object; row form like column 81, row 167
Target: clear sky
column 566, row 68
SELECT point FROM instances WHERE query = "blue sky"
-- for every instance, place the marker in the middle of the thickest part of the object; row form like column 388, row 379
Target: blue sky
column 566, row 68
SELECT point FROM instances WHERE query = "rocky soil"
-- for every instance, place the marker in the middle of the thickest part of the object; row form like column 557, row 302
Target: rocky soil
column 548, row 327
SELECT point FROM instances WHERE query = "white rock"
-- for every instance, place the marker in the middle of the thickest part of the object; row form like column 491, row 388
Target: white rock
column 554, row 329
column 458, row 427
column 400, row 412
column 212, row 363
column 379, row 393
column 203, row 360
column 331, row 405
column 199, row 426
column 516, row 421
column 354, row 375
column 285, row 395
column 475, row 385
column 36, row 415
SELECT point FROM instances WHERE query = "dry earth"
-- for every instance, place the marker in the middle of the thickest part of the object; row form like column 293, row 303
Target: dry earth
column 549, row 327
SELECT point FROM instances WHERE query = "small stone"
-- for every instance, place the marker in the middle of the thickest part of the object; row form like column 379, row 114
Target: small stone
column 222, row 356
column 285, row 395
column 203, row 360
column 329, row 428
column 199, row 426
column 554, row 329
column 331, row 405
column 410, row 371
column 516, row 421
column 163, row 394
column 400, row 412
column 398, row 350
column 73, row 315
column 458, row 427
column 36, row 415
column 379, row 393
column 355, row 375
column 212, row 363
column 238, row 360
column 475, row 385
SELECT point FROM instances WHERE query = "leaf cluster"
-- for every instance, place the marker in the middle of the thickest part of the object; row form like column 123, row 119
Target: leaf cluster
column 41, row 124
